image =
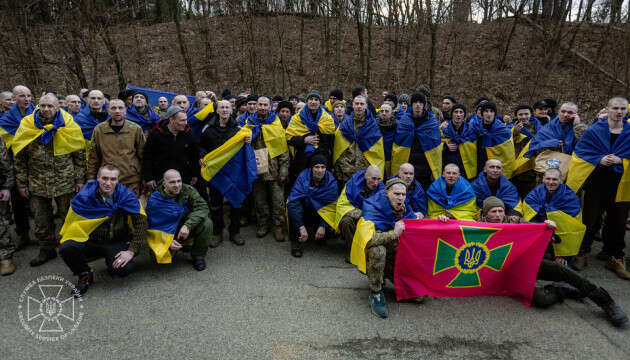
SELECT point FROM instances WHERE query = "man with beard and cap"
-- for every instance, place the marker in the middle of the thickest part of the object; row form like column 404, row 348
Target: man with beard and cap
column 437, row 113
column 416, row 197
column 387, row 125
column 6, row 102
column 491, row 182
column 252, row 104
column 334, row 96
column 451, row 195
column 358, row 142
column 361, row 186
column 418, row 141
column 541, row 112
column 50, row 166
column 312, row 205
column 269, row 139
column 117, row 142
column 310, row 132
column 74, row 104
column 92, row 114
column 141, row 113
column 285, row 109
column 568, row 284
column 376, row 238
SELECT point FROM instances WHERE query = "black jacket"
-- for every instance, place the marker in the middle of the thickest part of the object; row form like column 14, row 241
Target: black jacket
column 163, row 151
column 213, row 135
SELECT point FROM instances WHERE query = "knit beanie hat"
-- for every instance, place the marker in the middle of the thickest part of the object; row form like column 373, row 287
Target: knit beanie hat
column 491, row 202
column 393, row 181
column 418, row 97
column 318, row 159
column 314, row 93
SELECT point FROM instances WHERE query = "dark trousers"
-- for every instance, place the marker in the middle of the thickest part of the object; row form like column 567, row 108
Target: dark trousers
column 216, row 213
column 20, row 212
column 77, row 254
column 614, row 229
column 311, row 220
column 552, row 271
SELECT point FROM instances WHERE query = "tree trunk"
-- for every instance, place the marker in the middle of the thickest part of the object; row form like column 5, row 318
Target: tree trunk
column 111, row 48
column 182, row 45
column 357, row 17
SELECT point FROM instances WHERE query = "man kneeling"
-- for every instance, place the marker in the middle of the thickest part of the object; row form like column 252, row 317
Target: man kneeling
column 97, row 226
column 178, row 209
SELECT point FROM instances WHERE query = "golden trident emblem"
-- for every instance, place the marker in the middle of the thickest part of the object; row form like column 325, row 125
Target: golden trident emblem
column 471, row 257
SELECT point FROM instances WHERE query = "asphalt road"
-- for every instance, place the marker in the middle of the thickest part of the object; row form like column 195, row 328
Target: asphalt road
column 258, row 302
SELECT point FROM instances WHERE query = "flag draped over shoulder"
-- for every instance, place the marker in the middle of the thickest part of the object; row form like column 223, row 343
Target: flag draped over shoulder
column 466, row 145
column 196, row 117
column 154, row 95
column 592, row 147
column 163, row 216
column 507, row 191
column 547, row 137
column 463, row 258
column 417, row 199
column 350, row 197
column 65, row 134
column 368, row 137
column 461, row 202
column 376, row 214
column 231, row 168
column 10, row 122
column 496, row 141
column 87, row 122
column 322, row 198
column 428, row 135
column 87, row 212
column 525, row 134
column 303, row 124
column 145, row 122
column 564, row 210
column 274, row 134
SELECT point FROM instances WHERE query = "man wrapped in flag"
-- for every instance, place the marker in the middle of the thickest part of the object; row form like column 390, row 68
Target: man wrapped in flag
column 387, row 125
column 358, row 142
column 10, row 121
column 361, row 186
column 418, row 141
column 105, row 220
column 451, row 195
column 493, row 140
column 376, row 239
column 141, row 113
column 600, row 166
column 94, row 113
column 312, row 205
column 229, row 165
column 177, row 215
column 311, row 131
column 416, row 197
column 491, row 182
column 457, row 148
column 553, row 200
column 525, row 127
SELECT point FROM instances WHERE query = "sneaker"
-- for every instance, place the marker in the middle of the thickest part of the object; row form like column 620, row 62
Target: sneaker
column 262, row 231
column 43, row 257
column 85, row 280
column 7, row 267
column 278, row 234
column 377, row 302
column 236, row 239
column 618, row 266
column 580, row 262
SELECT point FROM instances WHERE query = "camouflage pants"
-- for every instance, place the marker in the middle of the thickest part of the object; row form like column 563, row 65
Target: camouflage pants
column 7, row 243
column 380, row 264
column 348, row 225
column 44, row 220
column 200, row 236
column 266, row 192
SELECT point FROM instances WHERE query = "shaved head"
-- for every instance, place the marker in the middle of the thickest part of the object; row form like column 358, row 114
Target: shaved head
column 406, row 167
column 170, row 173
column 50, row 97
column 372, row 177
column 451, row 167
column 373, row 170
column 21, row 89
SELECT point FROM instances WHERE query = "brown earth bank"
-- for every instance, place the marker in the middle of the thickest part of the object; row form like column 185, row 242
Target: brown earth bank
column 263, row 54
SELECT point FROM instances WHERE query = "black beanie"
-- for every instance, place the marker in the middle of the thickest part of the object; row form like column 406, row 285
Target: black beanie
column 392, row 97
column 415, row 97
column 123, row 94
column 285, row 104
column 318, row 159
column 458, row 106
column 252, row 97
column 488, row 105
column 338, row 94
column 240, row 101
column 146, row 97
column 277, row 98
column 522, row 107
column 540, row 104
column 226, row 94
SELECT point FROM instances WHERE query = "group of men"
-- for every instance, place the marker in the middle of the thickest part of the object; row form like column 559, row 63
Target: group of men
column 122, row 173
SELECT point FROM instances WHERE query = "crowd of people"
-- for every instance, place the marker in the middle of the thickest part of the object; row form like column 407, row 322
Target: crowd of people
column 121, row 173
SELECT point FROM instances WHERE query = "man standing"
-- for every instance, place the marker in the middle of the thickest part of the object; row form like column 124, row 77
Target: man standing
column 269, row 140
column 7, row 245
column 285, row 109
column 387, row 125
column 117, row 142
column 93, row 114
column 73, row 104
column 162, row 106
column 6, row 102
column 141, row 113
column 98, row 225
column 50, row 166
column 447, row 104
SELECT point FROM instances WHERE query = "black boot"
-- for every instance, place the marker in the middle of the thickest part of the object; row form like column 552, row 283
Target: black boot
column 43, row 257
column 615, row 314
column 85, row 280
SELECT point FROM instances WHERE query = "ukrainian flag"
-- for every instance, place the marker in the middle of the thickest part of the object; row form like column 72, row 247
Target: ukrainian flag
column 87, row 122
column 231, row 168
column 497, row 141
column 322, row 198
column 87, row 212
column 564, row 210
column 303, row 124
column 592, row 147
column 196, row 117
column 461, row 203
column 467, row 147
column 10, row 122
column 145, row 122
column 429, row 136
column 65, row 134
column 154, row 95
column 376, row 214
column 274, row 134
column 163, row 215
column 368, row 137
column 350, row 197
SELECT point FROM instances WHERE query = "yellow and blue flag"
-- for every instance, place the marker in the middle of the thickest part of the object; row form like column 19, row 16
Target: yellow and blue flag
column 428, row 135
column 231, row 168
column 145, row 122
column 592, row 147
column 10, row 122
column 506, row 192
column 376, row 214
column 196, row 117
column 88, row 122
column 417, row 198
column 564, row 210
column 350, row 197
column 368, row 137
column 303, row 124
column 322, row 198
column 163, row 216
column 466, row 155
column 273, row 133
column 460, row 202
column 87, row 212
column 496, row 141
column 65, row 134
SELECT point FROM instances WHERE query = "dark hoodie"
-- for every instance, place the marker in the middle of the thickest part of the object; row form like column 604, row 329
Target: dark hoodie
column 164, row 150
